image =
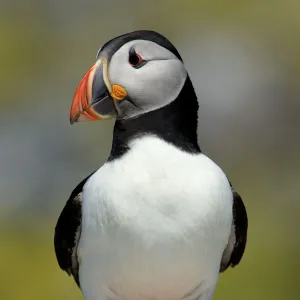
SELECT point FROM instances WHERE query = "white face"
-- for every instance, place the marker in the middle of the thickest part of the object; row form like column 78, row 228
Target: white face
column 153, row 84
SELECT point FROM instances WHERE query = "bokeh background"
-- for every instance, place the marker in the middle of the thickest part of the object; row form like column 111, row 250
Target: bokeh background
column 243, row 58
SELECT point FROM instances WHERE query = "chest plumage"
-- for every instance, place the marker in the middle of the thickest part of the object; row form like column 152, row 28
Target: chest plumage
column 158, row 215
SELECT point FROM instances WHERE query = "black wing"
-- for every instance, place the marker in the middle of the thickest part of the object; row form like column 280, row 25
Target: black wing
column 67, row 232
column 237, row 241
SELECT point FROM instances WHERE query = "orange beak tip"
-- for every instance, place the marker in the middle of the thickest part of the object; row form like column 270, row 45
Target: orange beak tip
column 80, row 118
column 72, row 121
column 82, row 99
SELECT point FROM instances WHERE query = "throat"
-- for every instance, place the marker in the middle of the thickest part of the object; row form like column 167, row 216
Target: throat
column 175, row 123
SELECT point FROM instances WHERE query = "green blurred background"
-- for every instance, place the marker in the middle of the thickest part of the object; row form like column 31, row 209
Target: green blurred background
column 243, row 57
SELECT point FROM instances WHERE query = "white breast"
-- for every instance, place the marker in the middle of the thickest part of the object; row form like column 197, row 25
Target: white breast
column 155, row 224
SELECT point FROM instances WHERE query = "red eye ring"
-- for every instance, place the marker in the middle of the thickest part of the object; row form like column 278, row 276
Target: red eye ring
column 134, row 58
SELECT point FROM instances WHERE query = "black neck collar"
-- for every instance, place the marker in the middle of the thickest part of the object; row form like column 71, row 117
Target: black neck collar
column 175, row 123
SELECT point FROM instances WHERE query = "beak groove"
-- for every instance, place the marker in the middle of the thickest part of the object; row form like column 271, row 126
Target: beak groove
column 81, row 105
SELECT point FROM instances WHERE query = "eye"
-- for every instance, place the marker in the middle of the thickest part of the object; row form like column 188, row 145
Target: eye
column 135, row 59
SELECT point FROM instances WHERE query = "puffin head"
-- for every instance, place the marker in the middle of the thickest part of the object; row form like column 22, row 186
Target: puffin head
column 133, row 74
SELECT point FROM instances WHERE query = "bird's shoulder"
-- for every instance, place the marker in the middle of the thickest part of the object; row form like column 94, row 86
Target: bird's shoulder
column 235, row 248
column 67, row 232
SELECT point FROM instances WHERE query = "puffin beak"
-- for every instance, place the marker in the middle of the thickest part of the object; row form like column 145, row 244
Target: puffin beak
column 95, row 97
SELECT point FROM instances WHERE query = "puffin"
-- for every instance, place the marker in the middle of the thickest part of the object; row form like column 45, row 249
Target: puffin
column 159, row 220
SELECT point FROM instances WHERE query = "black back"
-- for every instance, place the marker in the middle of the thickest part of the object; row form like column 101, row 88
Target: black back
column 67, row 232
column 237, row 242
